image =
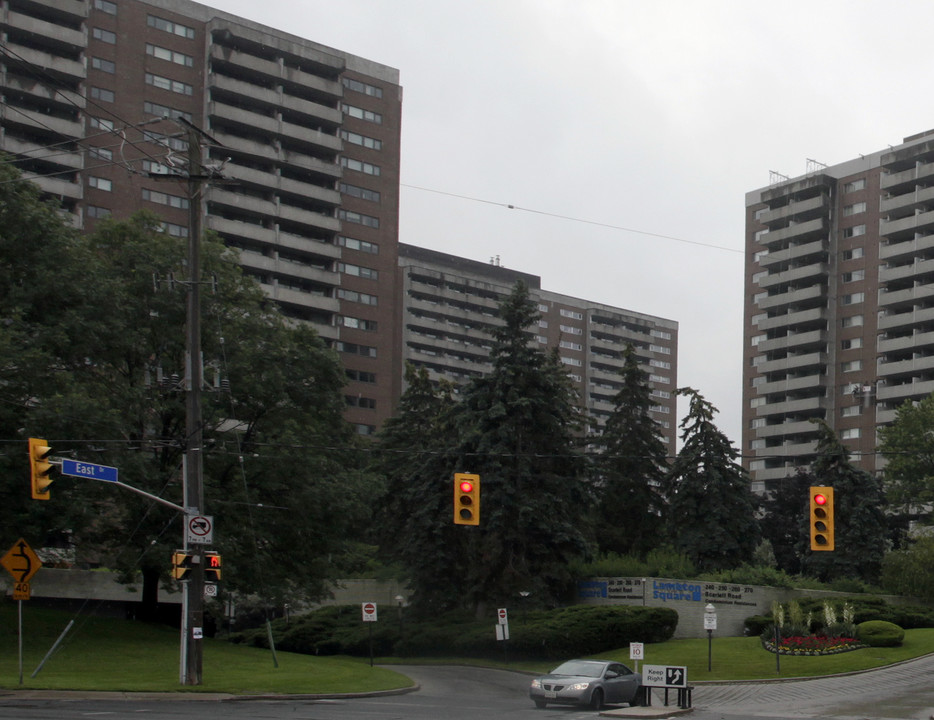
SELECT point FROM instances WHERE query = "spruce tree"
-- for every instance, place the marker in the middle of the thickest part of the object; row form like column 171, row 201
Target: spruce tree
column 711, row 516
column 630, row 468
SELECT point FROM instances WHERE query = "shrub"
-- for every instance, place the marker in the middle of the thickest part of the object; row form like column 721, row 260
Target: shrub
column 758, row 625
column 879, row 633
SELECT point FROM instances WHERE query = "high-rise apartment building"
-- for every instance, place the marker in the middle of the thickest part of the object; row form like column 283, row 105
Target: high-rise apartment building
column 301, row 147
column 839, row 305
column 304, row 141
column 449, row 306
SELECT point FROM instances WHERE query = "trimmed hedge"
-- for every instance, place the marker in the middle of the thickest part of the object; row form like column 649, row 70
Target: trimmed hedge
column 879, row 633
column 552, row 634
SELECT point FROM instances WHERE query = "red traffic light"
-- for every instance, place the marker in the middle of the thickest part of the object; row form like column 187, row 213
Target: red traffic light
column 820, row 499
column 466, row 487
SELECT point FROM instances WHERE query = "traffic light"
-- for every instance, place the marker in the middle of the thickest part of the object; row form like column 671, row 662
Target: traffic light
column 212, row 567
column 182, row 564
column 821, row 518
column 466, row 499
column 40, row 468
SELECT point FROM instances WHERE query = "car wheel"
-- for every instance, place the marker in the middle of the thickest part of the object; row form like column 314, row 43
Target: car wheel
column 596, row 700
column 540, row 704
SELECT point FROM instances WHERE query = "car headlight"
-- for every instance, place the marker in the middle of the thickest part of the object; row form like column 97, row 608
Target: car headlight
column 536, row 683
column 579, row 686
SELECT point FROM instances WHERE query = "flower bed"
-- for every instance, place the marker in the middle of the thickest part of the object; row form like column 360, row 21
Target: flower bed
column 813, row 645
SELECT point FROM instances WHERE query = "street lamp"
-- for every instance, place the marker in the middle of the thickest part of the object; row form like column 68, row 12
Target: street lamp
column 710, row 624
column 644, row 581
column 400, row 599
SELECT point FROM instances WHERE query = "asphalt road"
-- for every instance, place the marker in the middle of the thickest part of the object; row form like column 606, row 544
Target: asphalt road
column 902, row 692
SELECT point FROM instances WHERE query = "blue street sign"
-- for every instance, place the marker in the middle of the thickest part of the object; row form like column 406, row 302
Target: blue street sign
column 77, row 468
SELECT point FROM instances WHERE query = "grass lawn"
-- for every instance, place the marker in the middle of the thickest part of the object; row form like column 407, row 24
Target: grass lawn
column 107, row 654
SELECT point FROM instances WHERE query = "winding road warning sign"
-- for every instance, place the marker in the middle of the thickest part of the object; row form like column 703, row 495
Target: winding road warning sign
column 21, row 562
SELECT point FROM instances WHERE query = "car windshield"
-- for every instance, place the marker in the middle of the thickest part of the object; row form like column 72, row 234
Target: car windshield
column 580, row 667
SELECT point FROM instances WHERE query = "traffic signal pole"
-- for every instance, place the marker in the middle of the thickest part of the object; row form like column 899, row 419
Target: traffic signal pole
column 193, row 600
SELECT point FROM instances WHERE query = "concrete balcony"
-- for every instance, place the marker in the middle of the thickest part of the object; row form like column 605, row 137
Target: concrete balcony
column 57, row 187
column 792, row 297
column 798, row 429
column 901, row 205
column 795, row 252
column 790, row 450
column 813, row 272
column 909, row 391
column 778, row 473
column 275, row 182
column 901, row 250
column 275, row 72
column 791, row 384
column 891, row 321
column 818, row 338
column 43, row 29
column 919, row 222
column 915, row 341
column 309, row 218
column 803, row 230
column 794, row 407
column 805, row 209
column 243, row 203
column 915, row 366
column 59, row 156
column 917, row 294
column 302, row 299
column 793, row 319
column 284, row 268
column 804, row 361
column 888, row 273
column 899, row 182
column 49, row 62
column 44, row 123
column 75, row 9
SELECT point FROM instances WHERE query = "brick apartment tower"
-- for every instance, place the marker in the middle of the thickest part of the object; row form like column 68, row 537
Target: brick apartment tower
column 839, row 305
column 91, row 87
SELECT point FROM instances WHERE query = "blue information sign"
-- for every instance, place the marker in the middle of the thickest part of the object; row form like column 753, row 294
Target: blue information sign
column 77, row 468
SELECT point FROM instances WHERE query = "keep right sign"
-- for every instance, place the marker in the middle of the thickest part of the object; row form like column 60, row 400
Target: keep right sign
column 675, row 676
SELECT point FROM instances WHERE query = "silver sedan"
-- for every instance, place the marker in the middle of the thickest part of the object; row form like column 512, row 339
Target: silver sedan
column 587, row 682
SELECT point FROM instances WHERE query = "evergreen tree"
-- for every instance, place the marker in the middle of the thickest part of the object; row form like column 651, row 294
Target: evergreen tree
column 859, row 527
column 630, row 468
column 783, row 507
column 518, row 428
column 711, row 516
column 413, row 519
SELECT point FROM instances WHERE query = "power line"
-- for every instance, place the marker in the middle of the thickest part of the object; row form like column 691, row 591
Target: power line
column 571, row 218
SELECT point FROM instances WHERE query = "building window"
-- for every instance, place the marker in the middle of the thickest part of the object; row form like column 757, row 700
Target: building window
column 571, row 330
column 660, row 349
column 757, row 402
column 660, row 364
column 854, row 276
column 170, row 55
column 854, row 209
column 357, row 271
column 360, row 166
column 99, row 153
column 571, row 361
column 852, row 366
column 106, row 6
column 360, row 376
column 852, row 321
column 849, row 434
column 854, row 231
column 542, row 339
column 361, row 402
column 567, row 345
column 358, row 218
column 854, row 254
column 542, row 323
column 362, row 87
column 93, row 211
column 362, row 140
column 574, row 315
column 357, row 323
column 851, row 410
column 854, row 298
column 756, row 339
column 107, row 66
column 102, row 94
column 357, row 297
column 100, row 183
column 660, row 379
column 361, row 114
column 170, row 27
column 151, row 108
column 361, row 245
column 757, row 423
column 164, row 83
column 359, row 192
column 355, row 349
column 855, row 185
column 851, row 344
column 104, row 36
column 175, row 201
column 174, row 230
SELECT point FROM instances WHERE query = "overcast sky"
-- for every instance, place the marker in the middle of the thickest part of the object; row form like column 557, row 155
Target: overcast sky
column 641, row 124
